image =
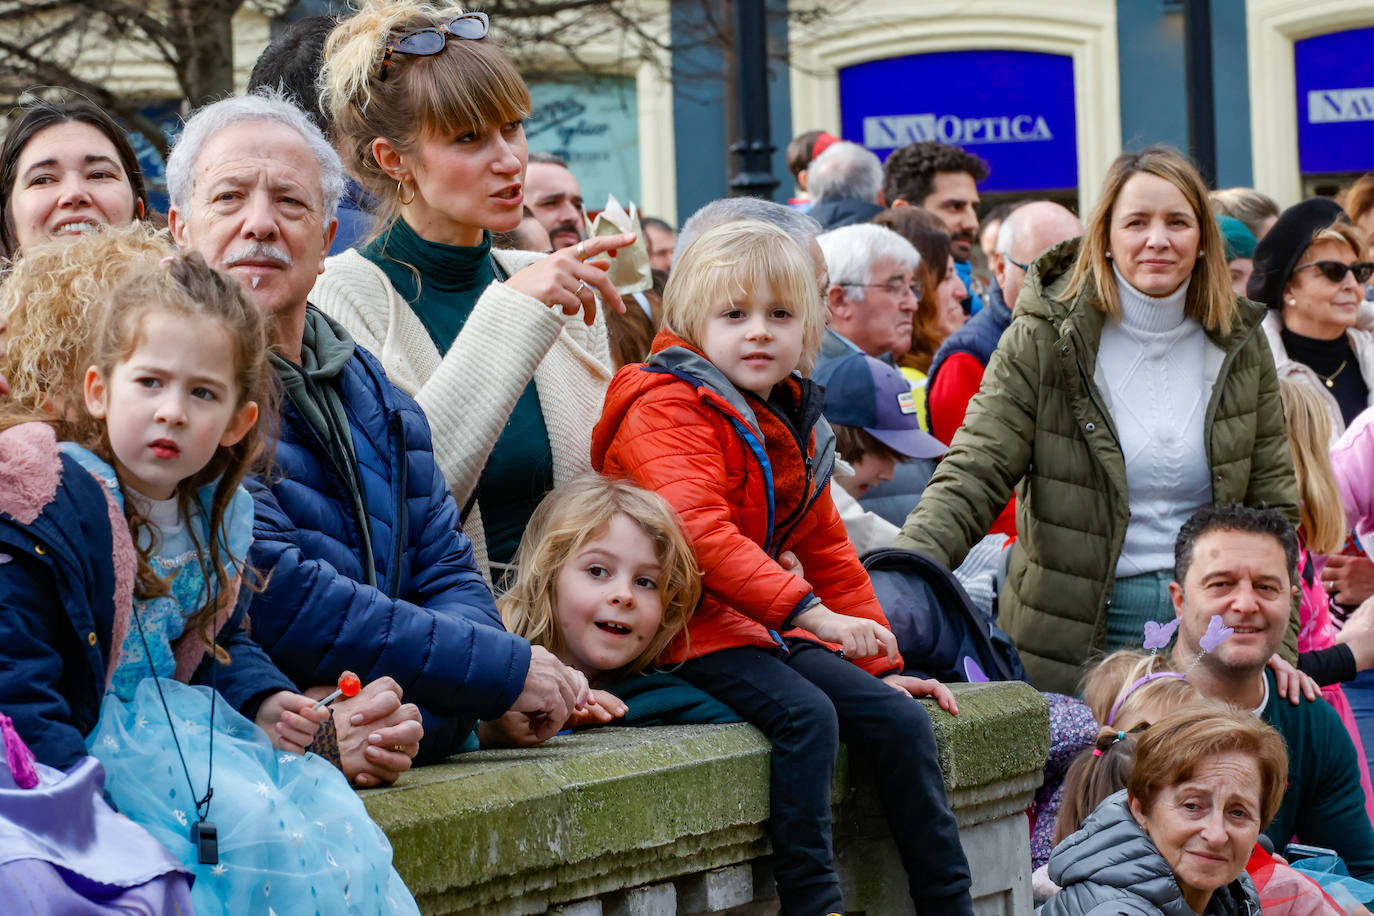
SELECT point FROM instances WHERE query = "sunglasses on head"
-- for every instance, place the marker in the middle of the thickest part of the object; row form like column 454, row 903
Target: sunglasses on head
column 1335, row 270
column 427, row 42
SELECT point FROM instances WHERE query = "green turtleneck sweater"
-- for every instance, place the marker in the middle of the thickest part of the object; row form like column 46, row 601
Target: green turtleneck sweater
column 442, row 289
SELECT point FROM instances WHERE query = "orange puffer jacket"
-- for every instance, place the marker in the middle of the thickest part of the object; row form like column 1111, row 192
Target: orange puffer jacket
column 745, row 487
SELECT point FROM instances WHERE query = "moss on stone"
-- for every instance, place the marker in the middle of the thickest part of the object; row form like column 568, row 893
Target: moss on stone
column 618, row 807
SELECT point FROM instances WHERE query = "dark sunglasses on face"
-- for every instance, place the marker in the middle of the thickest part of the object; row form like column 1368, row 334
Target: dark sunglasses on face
column 427, row 42
column 1335, row 270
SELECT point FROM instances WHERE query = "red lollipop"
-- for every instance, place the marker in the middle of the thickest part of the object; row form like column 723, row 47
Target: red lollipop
column 349, row 685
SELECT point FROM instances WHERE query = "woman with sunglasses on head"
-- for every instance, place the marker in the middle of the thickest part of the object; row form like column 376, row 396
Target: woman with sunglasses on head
column 65, row 168
column 1132, row 387
column 506, row 351
column 1310, row 270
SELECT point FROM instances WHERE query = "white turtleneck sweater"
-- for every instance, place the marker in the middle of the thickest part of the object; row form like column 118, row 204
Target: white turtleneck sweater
column 1155, row 369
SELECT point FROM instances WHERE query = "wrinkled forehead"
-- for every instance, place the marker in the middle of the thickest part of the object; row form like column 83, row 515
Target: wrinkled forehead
column 881, row 270
column 264, row 153
column 1228, row 776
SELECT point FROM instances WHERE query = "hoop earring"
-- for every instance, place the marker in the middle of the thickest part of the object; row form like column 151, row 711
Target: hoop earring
column 400, row 194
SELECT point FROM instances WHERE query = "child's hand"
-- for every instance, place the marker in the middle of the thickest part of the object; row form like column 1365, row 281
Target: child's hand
column 788, row 561
column 608, row 707
column 924, row 687
column 859, row 637
column 290, row 720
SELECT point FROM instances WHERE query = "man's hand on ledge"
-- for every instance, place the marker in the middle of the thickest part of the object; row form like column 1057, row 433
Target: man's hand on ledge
column 553, row 694
column 378, row 735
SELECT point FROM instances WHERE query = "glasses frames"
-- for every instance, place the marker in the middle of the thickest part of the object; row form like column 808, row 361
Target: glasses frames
column 1335, row 270
column 894, row 287
column 430, row 41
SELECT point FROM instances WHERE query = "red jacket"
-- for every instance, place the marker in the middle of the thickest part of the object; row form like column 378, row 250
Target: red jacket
column 744, row 488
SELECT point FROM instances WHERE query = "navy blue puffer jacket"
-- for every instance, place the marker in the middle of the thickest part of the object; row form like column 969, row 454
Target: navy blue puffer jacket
column 429, row 621
column 63, row 596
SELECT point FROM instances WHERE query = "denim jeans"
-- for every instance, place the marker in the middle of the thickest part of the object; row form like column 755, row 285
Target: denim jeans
column 1360, row 693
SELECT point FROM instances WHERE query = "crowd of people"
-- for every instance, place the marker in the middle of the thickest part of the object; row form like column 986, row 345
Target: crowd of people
column 390, row 464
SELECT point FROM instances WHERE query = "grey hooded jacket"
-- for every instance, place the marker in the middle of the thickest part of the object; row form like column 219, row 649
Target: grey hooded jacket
column 1111, row 868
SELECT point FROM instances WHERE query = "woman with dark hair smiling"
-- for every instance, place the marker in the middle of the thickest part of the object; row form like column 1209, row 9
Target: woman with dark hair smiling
column 65, row 168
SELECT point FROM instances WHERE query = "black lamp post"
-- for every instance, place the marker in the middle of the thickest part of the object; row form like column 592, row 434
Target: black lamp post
column 1202, row 125
column 753, row 148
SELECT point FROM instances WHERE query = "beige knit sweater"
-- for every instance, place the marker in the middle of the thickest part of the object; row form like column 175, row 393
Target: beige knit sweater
column 469, row 393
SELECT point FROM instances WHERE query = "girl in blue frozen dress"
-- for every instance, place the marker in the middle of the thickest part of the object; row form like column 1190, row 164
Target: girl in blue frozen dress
column 216, row 773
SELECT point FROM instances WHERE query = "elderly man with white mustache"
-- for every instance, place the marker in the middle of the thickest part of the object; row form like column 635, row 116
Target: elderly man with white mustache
column 356, row 533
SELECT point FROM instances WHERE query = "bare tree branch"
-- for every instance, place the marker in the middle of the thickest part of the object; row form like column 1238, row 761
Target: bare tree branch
column 72, row 43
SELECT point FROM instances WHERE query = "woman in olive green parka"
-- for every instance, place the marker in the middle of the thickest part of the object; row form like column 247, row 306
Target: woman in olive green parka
column 1043, row 420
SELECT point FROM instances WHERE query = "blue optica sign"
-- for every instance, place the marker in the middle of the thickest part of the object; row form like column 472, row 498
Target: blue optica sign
column 1335, row 83
column 1013, row 108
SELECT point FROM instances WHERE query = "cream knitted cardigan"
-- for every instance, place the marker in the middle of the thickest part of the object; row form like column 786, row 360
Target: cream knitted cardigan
column 469, row 393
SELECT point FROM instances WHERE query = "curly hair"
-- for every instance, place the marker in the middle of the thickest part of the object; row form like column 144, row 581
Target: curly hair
column 570, row 516
column 52, row 297
column 909, row 173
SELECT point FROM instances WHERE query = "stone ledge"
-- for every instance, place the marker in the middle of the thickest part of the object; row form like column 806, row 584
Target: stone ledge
column 515, row 832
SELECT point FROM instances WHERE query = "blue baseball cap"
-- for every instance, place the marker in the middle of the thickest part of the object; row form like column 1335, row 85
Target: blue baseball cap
column 867, row 393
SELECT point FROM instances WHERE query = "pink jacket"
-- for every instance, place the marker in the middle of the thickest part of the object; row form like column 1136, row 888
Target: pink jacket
column 1352, row 461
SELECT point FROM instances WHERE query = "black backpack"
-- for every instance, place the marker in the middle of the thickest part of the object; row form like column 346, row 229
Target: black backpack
column 937, row 626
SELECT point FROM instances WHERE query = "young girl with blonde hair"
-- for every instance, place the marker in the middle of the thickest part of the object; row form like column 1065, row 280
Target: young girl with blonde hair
column 721, row 423
column 606, row 580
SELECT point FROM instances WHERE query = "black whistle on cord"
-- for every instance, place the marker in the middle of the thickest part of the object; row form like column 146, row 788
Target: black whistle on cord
column 206, row 837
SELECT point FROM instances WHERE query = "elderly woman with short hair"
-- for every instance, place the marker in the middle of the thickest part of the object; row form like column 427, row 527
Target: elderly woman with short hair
column 1207, row 778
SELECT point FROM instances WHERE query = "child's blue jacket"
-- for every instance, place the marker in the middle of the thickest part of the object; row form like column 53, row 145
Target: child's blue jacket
column 66, row 574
